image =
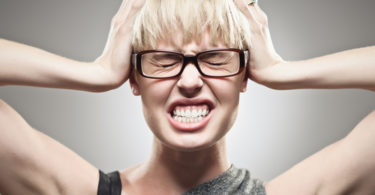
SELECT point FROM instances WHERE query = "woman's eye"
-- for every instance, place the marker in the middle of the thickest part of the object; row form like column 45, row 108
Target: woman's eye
column 215, row 59
column 216, row 63
column 165, row 65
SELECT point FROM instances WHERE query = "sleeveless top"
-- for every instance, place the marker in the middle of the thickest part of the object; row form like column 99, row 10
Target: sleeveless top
column 233, row 181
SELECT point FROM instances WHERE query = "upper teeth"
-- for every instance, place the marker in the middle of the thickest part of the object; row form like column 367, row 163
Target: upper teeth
column 191, row 113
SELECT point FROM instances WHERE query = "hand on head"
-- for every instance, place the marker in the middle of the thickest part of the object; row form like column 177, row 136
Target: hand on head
column 116, row 56
column 262, row 53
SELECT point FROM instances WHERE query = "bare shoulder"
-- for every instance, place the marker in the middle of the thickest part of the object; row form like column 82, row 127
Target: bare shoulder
column 131, row 178
column 33, row 163
column 344, row 167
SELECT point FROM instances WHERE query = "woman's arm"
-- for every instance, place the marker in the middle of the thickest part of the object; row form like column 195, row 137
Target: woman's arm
column 31, row 162
column 347, row 69
column 345, row 167
column 25, row 65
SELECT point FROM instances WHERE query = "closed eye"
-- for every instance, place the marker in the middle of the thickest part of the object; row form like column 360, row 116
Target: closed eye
column 167, row 65
column 216, row 64
column 164, row 65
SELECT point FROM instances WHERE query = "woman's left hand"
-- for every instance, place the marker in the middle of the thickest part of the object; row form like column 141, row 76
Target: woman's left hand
column 347, row 69
column 263, row 57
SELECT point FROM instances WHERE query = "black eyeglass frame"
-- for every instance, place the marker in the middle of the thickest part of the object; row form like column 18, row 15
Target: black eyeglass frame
column 189, row 58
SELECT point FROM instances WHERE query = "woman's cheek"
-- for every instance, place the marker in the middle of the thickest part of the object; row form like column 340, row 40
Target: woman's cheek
column 156, row 91
column 225, row 89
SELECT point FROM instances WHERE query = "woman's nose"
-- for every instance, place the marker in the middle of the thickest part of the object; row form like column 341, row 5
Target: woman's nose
column 190, row 82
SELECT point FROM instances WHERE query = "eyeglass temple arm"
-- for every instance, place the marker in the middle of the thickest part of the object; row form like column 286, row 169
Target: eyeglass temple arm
column 133, row 59
column 247, row 56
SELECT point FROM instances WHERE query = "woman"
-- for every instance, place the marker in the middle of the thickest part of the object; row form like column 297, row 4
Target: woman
column 188, row 149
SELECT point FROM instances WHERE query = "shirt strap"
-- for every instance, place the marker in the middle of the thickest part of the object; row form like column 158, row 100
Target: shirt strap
column 109, row 184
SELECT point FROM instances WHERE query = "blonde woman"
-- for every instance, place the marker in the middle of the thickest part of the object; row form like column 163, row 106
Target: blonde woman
column 189, row 84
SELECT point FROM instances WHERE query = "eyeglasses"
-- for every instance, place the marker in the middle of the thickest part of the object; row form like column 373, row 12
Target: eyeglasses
column 212, row 63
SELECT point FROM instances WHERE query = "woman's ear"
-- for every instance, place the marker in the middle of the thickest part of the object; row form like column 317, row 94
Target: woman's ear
column 134, row 85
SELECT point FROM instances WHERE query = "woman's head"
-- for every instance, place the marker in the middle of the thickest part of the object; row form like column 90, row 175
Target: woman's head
column 190, row 111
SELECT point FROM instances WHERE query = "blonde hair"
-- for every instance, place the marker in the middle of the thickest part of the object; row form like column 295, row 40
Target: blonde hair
column 160, row 19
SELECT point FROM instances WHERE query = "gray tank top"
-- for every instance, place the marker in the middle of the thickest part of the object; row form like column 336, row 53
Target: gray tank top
column 233, row 181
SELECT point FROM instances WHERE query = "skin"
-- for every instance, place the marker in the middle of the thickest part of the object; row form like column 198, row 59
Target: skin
column 33, row 163
column 200, row 155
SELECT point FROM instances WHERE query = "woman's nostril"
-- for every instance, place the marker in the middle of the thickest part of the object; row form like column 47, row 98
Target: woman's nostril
column 190, row 83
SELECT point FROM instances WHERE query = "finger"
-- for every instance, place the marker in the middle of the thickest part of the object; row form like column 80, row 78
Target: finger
column 253, row 13
column 260, row 14
column 122, row 7
column 243, row 6
column 129, row 7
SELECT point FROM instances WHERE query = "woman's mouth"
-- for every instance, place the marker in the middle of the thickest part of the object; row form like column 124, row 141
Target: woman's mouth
column 190, row 116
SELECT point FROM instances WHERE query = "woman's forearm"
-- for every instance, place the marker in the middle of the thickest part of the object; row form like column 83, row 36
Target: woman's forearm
column 25, row 65
column 347, row 69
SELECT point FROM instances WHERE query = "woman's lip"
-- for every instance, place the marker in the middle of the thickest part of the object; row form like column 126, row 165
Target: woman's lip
column 194, row 126
column 187, row 102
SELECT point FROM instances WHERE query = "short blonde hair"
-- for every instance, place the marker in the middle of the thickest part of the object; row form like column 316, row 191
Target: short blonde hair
column 159, row 19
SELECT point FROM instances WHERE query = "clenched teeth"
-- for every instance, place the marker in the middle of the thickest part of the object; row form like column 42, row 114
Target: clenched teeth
column 190, row 114
column 188, row 119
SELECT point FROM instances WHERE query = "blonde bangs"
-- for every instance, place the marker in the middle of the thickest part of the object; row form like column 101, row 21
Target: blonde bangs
column 161, row 19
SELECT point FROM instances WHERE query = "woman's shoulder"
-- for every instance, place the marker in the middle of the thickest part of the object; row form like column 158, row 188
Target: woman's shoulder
column 112, row 183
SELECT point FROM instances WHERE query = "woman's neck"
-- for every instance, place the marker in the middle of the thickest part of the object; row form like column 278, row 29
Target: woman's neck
column 182, row 170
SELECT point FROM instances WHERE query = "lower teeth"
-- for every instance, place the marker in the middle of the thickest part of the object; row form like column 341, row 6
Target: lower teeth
column 188, row 119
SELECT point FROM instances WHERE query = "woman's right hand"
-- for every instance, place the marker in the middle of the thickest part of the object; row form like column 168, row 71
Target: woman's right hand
column 116, row 57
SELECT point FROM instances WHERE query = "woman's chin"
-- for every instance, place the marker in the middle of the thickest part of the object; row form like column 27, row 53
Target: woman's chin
column 189, row 144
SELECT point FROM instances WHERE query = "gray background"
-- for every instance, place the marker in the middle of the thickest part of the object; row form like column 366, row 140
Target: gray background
column 274, row 130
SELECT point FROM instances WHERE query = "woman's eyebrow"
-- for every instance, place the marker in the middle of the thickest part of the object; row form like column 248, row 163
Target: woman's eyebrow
column 196, row 51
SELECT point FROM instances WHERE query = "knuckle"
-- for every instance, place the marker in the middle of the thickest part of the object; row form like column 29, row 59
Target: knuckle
column 116, row 21
column 264, row 20
column 137, row 5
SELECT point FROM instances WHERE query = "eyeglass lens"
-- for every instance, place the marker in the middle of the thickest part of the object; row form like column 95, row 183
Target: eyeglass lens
column 167, row 64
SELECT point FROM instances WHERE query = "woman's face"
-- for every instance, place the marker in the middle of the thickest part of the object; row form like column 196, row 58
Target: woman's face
column 168, row 102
